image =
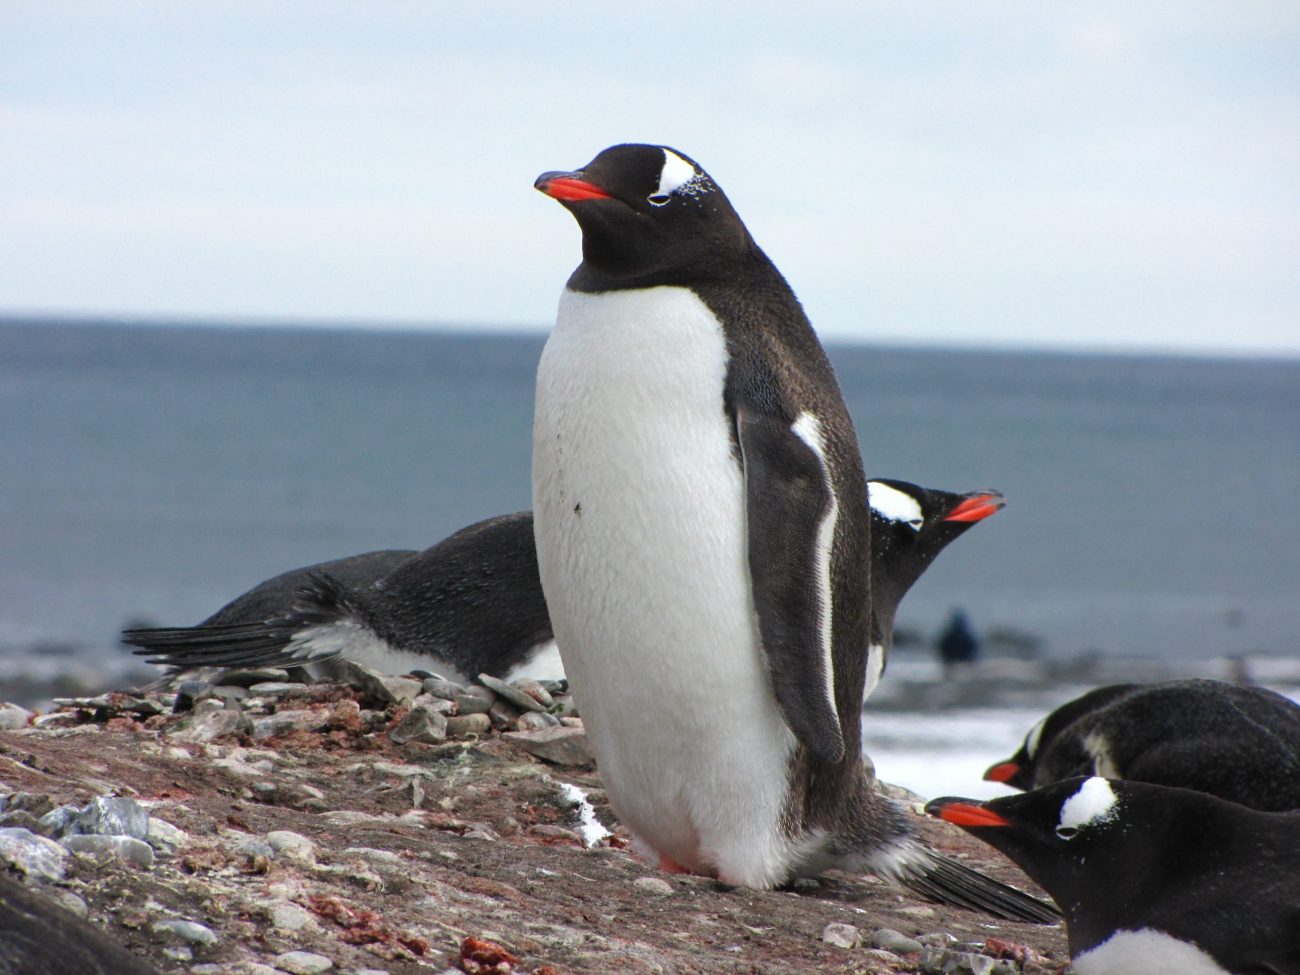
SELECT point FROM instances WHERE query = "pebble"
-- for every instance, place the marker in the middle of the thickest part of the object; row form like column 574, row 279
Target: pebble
column 112, row 816
column 422, row 724
column 895, row 941
column 517, row 697
column 12, row 717
column 34, row 855
column 164, row 837
column 284, row 722
column 944, row 961
column 255, row 848
column 504, row 715
column 190, row 692
column 276, row 688
column 291, row 844
column 71, row 902
column 389, row 690
column 290, row 917
column 247, row 678
column 475, row 700
column 445, row 689
column 653, row 885
column 919, row 910
column 128, row 850
column 560, row 746
column 841, row 935
column 212, row 724
column 469, row 724
column 191, row 931
column 440, row 704
column 302, row 963
column 536, row 721
column 536, row 690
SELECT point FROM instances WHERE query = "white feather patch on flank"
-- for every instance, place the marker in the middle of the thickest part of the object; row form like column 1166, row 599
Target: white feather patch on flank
column 1145, row 952
column 809, row 429
column 1098, row 749
column 894, row 505
column 362, row 646
column 1094, row 803
column 542, row 663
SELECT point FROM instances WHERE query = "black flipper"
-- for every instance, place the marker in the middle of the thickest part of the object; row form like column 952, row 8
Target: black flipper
column 787, row 499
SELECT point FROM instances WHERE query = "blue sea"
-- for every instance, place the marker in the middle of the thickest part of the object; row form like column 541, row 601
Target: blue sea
column 150, row 473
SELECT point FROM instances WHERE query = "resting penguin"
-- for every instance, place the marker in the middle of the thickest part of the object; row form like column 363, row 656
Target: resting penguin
column 1235, row 741
column 1153, row 880
column 472, row 604
column 701, row 546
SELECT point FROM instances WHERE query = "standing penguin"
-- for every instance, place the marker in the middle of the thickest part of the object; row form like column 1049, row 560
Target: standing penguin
column 703, row 547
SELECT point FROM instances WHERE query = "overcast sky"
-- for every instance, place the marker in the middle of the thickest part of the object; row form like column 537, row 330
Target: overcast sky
column 1024, row 173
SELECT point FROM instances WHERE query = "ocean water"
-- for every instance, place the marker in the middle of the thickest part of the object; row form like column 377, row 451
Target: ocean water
column 153, row 473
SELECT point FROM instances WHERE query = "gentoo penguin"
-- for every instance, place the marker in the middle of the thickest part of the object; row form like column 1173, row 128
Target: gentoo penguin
column 702, row 552
column 1153, row 880
column 1235, row 741
column 374, row 608
column 471, row 604
column 40, row 937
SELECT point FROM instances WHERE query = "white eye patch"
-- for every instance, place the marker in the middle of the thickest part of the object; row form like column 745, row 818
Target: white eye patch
column 1094, row 803
column 1033, row 738
column 893, row 505
column 677, row 174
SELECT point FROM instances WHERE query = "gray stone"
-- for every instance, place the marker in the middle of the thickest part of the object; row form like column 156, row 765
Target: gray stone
column 207, row 726
column 291, row 844
column 290, row 917
column 514, row 695
column 504, row 715
column 536, row 720
column 895, row 941
column 112, row 816
column 164, row 837
column 12, row 717
column 275, row 688
column 284, row 722
column 190, row 692
column 536, row 690
column 841, row 935
column 36, row 803
column 475, row 700
column 247, row 678
column 388, row 690
column 128, row 850
column 422, row 724
column 302, row 963
column 230, row 692
column 564, row 707
column 70, row 901
column 560, row 746
column 653, row 885
column 445, row 689
column 440, row 704
column 191, row 931
column 254, row 848
column 33, row 855
column 945, row 961
column 464, row 725
column 554, row 687
column 59, row 821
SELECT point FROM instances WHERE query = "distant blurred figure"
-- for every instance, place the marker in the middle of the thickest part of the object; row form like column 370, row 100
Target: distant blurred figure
column 958, row 645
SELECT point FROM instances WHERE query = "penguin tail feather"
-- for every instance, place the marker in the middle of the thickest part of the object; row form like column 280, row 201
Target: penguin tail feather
column 301, row 636
column 946, row 881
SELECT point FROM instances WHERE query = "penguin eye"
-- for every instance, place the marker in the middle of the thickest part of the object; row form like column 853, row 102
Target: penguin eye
column 659, row 199
column 1067, row 832
column 916, row 524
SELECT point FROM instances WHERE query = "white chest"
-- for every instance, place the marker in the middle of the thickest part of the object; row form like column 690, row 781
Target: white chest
column 1145, row 952
column 640, row 521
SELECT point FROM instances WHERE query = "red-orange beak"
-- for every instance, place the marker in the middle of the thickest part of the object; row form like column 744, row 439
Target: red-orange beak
column 568, row 187
column 962, row 812
column 977, row 508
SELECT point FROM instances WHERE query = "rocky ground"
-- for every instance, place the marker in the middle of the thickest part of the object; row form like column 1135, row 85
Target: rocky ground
column 259, row 826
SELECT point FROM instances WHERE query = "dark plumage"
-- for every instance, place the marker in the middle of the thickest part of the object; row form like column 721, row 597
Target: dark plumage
column 1235, row 741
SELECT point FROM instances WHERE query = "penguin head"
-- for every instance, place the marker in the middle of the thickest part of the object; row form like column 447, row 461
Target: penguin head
column 648, row 210
column 910, row 526
column 1066, row 836
column 1057, row 746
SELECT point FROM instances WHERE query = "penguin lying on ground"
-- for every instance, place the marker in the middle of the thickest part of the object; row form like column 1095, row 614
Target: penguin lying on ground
column 472, row 604
column 1235, row 741
column 696, row 479
column 1153, row 879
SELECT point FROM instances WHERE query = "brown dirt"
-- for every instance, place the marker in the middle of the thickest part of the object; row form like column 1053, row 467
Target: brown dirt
column 476, row 842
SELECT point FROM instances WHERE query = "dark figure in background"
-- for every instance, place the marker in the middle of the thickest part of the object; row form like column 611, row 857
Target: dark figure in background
column 958, row 644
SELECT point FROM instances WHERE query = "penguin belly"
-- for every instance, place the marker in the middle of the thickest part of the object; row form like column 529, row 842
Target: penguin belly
column 639, row 509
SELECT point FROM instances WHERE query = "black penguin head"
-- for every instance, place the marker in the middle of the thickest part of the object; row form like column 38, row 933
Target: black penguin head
column 1055, row 748
column 649, row 212
column 1074, row 838
column 910, row 526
